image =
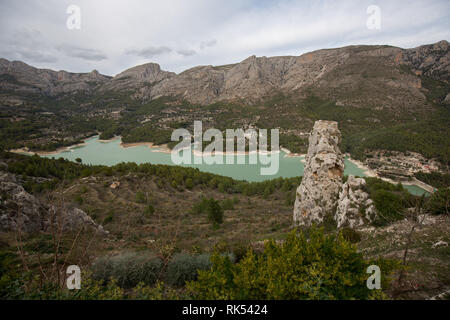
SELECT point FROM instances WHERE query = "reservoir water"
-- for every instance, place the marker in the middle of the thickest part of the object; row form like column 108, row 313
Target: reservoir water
column 109, row 153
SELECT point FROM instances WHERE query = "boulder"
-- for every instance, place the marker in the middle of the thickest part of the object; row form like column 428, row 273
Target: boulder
column 354, row 207
column 21, row 210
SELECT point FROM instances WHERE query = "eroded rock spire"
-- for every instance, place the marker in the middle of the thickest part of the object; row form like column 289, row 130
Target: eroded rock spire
column 324, row 168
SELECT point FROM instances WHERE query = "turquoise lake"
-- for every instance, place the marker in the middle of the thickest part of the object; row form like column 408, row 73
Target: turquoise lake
column 109, row 153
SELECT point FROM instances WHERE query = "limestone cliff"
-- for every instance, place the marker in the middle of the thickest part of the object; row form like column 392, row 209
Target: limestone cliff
column 322, row 179
column 352, row 76
column 354, row 207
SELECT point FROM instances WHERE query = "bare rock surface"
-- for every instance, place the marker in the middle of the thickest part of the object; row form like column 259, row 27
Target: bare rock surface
column 22, row 78
column 319, row 190
column 351, row 76
column 21, row 210
column 354, row 207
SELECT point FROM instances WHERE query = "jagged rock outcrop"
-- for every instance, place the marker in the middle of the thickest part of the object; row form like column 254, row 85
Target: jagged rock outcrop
column 352, row 76
column 21, row 210
column 322, row 179
column 23, row 78
column 18, row 207
column 140, row 76
column 354, row 207
column 432, row 60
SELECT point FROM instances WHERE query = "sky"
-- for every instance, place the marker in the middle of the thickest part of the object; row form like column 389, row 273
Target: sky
column 111, row 36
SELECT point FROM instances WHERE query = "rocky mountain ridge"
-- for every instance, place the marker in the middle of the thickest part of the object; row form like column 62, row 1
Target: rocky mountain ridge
column 351, row 75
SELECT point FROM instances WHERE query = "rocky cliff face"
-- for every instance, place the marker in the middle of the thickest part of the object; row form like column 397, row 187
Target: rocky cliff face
column 322, row 193
column 137, row 77
column 322, row 179
column 354, row 207
column 21, row 210
column 22, row 78
column 346, row 75
column 431, row 60
column 353, row 75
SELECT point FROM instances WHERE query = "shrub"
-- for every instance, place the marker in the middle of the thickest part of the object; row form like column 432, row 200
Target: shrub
column 183, row 267
column 128, row 269
column 239, row 250
column 149, row 210
column 439, row 202
column 140, row 197
column 189, row 183
column 212, row 208
column 388, row 205
column 325, row 267
column 228, row 204
column 161, row 291
column 79, row 199
column 200, row 206
column 109, row 217
column 351, row 235
column 215, row 212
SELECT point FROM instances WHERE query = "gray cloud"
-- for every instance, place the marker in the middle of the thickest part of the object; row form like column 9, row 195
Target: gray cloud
column 82, row 53
column 36, row 56
column 186, row 52
column 30, row 45
column 206, row 44
column 149, row 52
column 220, row 32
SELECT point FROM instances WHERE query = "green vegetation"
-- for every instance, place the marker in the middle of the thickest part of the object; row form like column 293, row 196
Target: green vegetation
column 184, row 267
column 48, row 123
column 215, row 212
column 435, row 179
column 128, row 269
column 325, row 267
column 389, row 200
column 61, row 170
column 351, row 235
column 140, row 197
column 440, row 201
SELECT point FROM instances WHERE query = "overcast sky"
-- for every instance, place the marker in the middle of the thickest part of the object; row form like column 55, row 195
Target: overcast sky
column 179, row 34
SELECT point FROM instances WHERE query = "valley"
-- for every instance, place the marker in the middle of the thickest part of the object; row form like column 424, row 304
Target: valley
column 86, row 178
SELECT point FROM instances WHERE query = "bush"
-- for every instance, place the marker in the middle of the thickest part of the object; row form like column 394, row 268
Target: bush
column 183, row 267
column 325, row 267
column 212, row 208
column 215, row 212
column 109, row 217
column 189, row 183
column 228, row 204
column 149, row 210
column 78, row 199
column 351, row 235
column 439, row 202
column 388, row 205
column 128, row 269
column 140, row 197
column 200, row 206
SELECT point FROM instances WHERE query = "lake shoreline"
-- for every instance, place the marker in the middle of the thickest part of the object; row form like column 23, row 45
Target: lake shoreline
column 166, row 150
column 48, row 153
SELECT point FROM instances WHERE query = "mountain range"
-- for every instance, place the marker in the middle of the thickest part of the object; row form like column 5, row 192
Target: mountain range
column 343, row 74
column 383, row 97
